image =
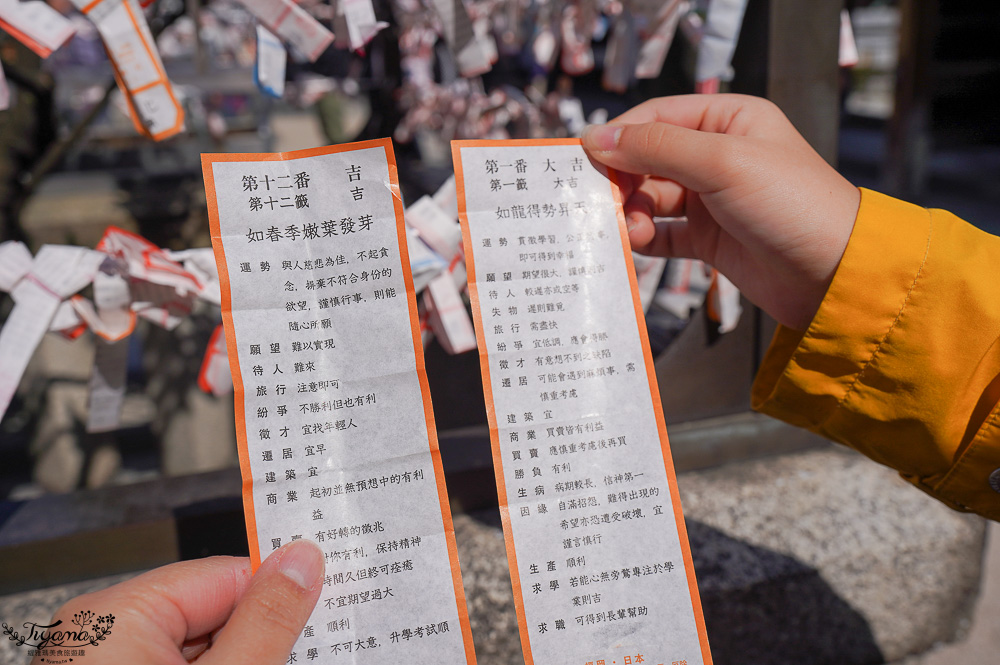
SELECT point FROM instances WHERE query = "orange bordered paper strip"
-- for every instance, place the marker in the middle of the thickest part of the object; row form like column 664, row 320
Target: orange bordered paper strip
column 35, row 24
column 292, row 24
column 333, row 413
column 138, row 69
column 596, row 540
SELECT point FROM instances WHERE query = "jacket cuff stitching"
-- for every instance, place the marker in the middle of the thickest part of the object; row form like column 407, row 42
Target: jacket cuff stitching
column 854, row 383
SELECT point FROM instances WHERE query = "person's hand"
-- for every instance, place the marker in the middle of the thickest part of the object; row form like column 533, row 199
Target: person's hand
column 210, row 611
column 761, row 206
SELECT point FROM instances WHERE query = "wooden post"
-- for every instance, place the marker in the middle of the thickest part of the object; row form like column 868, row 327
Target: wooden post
column 803, row 74
column 909, row 127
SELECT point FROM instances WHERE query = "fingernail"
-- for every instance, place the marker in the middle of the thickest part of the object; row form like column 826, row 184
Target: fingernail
column 302, row 562
column 630, row 222
column 602, row 137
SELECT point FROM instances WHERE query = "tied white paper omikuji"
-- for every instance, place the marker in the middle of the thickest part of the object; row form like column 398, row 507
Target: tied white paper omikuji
column 269, row 68
column 37, row 25
column 293, row 24
column 38, row 287
column 138, row 68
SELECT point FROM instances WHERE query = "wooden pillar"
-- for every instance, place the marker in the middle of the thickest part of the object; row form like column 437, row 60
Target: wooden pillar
column 909, row 142
column 802, row 73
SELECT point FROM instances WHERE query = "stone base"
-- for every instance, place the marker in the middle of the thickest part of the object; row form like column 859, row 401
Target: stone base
column 809, row 559
column 815, row 558
column 826, row 557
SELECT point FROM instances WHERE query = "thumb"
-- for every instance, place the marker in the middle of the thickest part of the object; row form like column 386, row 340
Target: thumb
column 695, row 159
column 270, row 616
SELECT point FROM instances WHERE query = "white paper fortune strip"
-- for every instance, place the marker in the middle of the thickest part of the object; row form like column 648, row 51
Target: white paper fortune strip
column 215, row 377
column 446, row 198
column 293, row 24
column 359, row 17
column 15, row 262
column 199, row 263
column 425, row 265
column 110, row 315
column 447, row 316
column 648, row 270
column 269, row 69
column 470, row 55
column 653, row 51
column 621, row 54
column 113, row 321
column 847, row 55
column 596, row 541
column 35, row 24
column 106, row 389
column 56, row 273
column 4, row 91
column 151, row 100
column 718, row 39
column 148, row 263
column 333, row 411
column 67, row 322
column 723, row 302
column 440, row 230
column 437, row 228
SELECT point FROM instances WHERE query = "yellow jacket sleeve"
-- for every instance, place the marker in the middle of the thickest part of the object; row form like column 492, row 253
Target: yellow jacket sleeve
column 902, row 360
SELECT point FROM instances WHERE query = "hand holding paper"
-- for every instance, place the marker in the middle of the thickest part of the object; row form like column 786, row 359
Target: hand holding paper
column 211, row 609
column 761, row 205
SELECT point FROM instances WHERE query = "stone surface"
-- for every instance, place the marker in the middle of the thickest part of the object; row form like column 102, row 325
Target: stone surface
column 982, row 644
column 825, row 557
column 816, row 558
column 488, row 594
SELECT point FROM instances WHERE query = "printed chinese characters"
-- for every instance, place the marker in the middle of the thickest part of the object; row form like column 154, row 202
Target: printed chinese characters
column 332, row 410
column 599, row 556
column 295, row 199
